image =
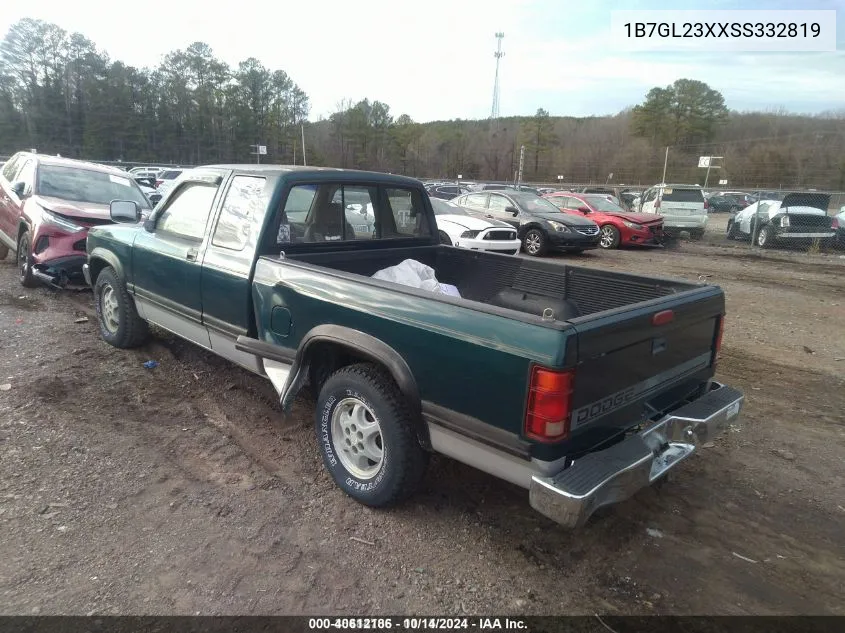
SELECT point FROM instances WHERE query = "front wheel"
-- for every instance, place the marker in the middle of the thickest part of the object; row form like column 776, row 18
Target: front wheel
column 120, row 324
column 534, row 242
column 765, row 237
column 367, row 436
column 733, row 230
column 444, row 238
column 610, row 237
column 25, row 275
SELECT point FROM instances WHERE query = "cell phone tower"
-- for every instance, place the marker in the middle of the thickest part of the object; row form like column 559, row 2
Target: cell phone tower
column 494, row 112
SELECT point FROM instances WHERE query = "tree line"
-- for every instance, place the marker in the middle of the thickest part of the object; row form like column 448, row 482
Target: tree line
column 60, row 94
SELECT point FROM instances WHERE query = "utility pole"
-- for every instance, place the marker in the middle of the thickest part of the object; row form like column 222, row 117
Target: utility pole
column 709, row 167
column 302, row 129
column 494, row 111
column 665, row 163
column 521, row 165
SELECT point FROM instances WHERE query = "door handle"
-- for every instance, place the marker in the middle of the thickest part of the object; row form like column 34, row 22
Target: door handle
column 191, row 255
column 489, row 215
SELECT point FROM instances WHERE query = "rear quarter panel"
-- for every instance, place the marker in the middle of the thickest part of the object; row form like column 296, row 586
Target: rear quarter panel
column 468, row 361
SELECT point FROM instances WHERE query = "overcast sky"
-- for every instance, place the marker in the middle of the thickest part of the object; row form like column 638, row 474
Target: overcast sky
column 434, row 59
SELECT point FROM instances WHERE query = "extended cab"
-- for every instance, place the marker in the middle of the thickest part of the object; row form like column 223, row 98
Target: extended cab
column 580, row 385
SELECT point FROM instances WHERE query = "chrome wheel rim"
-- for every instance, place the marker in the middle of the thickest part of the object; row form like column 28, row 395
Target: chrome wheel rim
column 532, row 243
column 356, row 438
column 607, row 237
column 109, row 309
column 761, row 237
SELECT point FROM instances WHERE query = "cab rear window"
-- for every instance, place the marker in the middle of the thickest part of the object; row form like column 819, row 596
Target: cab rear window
column 682, row 195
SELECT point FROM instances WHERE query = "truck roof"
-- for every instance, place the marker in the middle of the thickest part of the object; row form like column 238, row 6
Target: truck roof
column 322, row 173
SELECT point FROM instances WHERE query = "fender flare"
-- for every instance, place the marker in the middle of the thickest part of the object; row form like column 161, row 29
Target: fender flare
column 363, row 345
column 109, row 258
column 356, row 341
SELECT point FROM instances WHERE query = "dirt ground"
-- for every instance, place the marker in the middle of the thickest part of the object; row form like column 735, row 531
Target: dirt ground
column 182, row 489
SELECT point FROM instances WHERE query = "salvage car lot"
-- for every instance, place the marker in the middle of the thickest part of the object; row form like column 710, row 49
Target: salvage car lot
column 182, row 489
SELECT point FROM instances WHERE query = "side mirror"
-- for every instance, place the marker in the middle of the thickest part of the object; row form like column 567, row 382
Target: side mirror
column 512, row 210
column 584, row 210
column 18, row 188
column 124, row 211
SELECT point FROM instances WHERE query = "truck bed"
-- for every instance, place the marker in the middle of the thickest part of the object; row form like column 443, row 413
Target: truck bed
column 517, row 284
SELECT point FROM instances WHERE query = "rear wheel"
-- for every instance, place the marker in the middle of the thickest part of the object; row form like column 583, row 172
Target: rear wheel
column 25, row 261
column 610, row 237
column 534, row 242
column 367, row 436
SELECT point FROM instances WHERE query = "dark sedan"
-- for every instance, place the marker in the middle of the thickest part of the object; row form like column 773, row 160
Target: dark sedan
column 725, row 203
column 541, row 226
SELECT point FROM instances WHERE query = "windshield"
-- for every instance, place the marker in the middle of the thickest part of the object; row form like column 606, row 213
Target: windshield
column 85, row 185
column 603, row 204
column 534, row 204
column 441, row 207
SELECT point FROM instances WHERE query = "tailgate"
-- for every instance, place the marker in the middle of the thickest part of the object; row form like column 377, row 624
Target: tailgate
column 629, row 368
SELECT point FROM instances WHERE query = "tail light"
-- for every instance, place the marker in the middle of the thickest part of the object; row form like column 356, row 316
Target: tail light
column 706, row 205
column 549, row 400
column 835, row 223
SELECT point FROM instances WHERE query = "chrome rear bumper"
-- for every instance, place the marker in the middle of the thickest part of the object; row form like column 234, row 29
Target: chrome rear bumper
column 616, row 473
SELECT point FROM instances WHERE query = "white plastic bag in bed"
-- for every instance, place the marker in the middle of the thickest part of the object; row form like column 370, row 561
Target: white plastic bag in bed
column 412, row 273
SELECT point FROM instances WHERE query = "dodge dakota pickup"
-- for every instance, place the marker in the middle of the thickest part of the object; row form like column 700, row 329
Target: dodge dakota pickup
column 582, row 386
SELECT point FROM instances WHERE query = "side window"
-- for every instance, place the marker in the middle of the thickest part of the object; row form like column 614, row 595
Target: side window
column 243, row 210
column 409, row 218
column 650, row 195
column 476, row 200
column 574, row 203
column 11, row 167
column 499, row 203
column 27, row 176
column 187, row 212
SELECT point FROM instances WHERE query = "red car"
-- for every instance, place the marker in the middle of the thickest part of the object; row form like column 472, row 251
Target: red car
column 47, row 205
column 618, row 226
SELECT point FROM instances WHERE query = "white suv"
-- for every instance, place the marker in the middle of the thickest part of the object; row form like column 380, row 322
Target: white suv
column 683, row 208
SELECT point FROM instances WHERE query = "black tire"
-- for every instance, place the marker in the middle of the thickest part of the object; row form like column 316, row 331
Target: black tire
column 399, row 472
column 25, row 261
column 444, row 239
column 4, row 251
column 535, row 243
column 733, row 230
column 765, row 237
column 610, row 237
column 130, row 329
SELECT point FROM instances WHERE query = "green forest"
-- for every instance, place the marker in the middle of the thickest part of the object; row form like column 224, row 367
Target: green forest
column 62, row 95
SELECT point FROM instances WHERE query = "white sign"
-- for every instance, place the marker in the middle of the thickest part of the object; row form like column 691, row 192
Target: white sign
column 460, row 176
column 704, row 162
column 262, row 149
column 723, row 182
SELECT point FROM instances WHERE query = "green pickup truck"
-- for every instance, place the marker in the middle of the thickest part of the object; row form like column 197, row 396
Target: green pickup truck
column 580, row 385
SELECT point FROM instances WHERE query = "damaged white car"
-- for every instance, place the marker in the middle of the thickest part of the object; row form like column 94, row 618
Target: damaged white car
column 798, row 218
column 458, row 228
